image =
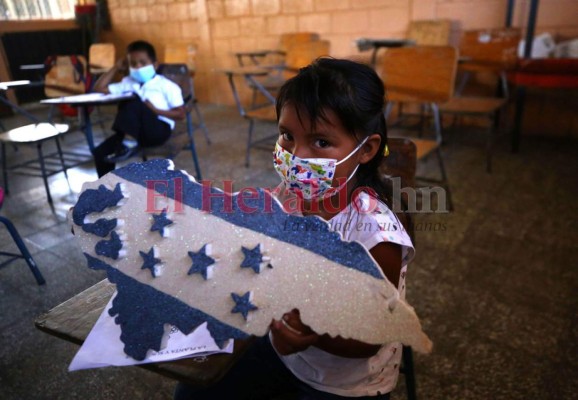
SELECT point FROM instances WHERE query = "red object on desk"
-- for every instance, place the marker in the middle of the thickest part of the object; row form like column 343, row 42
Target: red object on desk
column 546, row 73
column 549, row 73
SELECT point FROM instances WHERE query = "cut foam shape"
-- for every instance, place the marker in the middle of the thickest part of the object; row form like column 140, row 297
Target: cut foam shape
column 150, row 261
column 253, row 258
column 101, row 228
column 96, row 200
column 336, row 285
column 160, row 222
column 202, row 263
column 110, row 248
column 243, row 304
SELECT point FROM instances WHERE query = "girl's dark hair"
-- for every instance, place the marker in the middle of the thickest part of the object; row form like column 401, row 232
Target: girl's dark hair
column 355, row 93
column 141, row 45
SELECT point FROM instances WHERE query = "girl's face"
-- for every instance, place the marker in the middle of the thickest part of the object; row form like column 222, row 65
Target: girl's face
column 329, row 139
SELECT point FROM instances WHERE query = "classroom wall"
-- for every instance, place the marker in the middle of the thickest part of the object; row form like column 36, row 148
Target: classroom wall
column 219, row 27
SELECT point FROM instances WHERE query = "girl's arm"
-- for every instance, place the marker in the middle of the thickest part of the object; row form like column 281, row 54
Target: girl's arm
column 298, row 336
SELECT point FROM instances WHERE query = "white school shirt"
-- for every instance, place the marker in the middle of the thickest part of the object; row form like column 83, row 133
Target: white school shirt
column 356, row 377
column 163, row 93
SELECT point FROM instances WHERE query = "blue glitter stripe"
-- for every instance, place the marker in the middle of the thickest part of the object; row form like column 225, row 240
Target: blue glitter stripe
column 141, row 311
column 310, row 233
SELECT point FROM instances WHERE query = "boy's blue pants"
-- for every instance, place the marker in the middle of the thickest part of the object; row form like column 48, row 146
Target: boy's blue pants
column 137, row 120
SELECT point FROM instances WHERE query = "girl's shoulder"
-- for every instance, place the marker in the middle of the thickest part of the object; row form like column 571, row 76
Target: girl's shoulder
column 370, row 221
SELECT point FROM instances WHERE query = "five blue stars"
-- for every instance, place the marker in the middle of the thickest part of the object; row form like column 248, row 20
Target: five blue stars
column 149, row 261
column 160, row 221
column 201, row 262
column 253, row 258
column 243, row 304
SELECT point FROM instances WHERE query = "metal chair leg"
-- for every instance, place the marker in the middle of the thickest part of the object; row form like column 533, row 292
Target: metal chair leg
column 100, row 118
column 192, row 145
column 490, row 146
column 4, row 169
column 445, row 180
column 407, row 369
column 462, row 84
column 43, row 170
column 249, row 142
column 202, row 123
column 60, row 155
column 23, row 250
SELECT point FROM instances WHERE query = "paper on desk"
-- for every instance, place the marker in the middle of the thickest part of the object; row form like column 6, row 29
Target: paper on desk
column 103, row 348
column 89, row 98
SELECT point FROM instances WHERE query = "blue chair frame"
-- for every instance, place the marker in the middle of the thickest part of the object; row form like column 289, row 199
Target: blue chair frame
column 24, row 253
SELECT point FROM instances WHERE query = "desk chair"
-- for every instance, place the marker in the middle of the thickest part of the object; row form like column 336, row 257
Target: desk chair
column 185, row 53
column 279, row 60
column 430, row 32
column 24, row 253
column 275, row 56
column 65, row 76
column 298, row 56
column 490, row 51
column 45, row 165
column 426, row 33
column 101, row 58
column 423, row 75
column 401, row 162
column 181, row 53
column 179, row 73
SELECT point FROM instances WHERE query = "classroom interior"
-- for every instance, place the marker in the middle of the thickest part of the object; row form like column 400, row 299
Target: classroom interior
column 494, row 281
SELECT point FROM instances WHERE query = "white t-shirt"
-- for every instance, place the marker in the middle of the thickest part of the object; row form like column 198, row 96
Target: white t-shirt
column 355, row 377
column 163, row 93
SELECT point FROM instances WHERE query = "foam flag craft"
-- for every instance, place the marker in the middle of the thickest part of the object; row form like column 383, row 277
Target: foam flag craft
column 183, row 253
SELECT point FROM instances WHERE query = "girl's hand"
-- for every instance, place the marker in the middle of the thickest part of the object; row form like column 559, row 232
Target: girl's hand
column 290, row 335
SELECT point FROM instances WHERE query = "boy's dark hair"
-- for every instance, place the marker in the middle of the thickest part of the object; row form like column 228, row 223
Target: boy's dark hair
column 357, row 96
column 141, row 45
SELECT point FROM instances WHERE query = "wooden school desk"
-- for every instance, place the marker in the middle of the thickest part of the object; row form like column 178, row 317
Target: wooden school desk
column 73, row 320
column 85, row 102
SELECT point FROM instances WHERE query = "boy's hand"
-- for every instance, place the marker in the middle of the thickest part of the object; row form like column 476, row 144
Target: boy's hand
column 290, row 335
column 152, row 107
column 121, row 65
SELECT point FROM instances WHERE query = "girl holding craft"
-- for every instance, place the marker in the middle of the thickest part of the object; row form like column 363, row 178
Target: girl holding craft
column 332, row 140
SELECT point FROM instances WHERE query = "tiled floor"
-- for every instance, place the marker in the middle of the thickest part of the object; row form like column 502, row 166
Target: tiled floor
column 494, row 282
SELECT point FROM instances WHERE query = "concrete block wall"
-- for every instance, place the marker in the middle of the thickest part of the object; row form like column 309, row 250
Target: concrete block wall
column 220, row 27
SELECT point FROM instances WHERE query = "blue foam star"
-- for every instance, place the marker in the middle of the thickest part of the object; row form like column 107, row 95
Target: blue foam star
column 160, row 221
column 149, row 261
column 253, row 258
column 201, row 262
column 243, row 304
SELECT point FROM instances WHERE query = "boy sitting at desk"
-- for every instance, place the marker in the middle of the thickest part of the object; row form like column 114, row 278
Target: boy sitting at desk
column 149, row 116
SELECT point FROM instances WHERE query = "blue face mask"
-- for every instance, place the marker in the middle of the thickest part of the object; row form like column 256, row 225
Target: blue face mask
column 143, row 74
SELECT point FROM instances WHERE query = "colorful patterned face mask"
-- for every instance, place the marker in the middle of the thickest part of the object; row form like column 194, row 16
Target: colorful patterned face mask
column 310, row 178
